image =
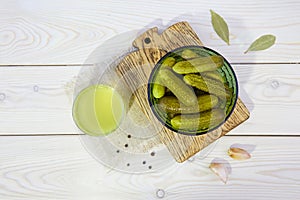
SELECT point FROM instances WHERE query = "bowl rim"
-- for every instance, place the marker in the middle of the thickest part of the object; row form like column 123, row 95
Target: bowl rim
column 153, row 72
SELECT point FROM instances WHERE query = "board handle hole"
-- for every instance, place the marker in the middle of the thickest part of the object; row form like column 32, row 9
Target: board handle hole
column 147, row 40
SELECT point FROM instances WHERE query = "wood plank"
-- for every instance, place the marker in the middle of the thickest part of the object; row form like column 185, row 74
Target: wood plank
column 56, row 32
column 271, row 93
column 37, row 99
column 47, row 167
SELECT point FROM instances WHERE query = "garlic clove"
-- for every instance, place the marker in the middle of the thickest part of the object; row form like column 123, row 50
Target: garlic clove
column 238, row 153
column 220, row 170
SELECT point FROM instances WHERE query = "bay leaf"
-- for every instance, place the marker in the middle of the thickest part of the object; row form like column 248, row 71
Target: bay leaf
column 220, row 26
column 262, row 43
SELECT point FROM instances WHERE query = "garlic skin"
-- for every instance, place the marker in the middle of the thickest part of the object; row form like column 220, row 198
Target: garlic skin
column 221, row 170
column 238, row 153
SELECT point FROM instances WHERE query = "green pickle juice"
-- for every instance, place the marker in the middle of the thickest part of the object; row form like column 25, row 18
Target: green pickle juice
column 98, row 110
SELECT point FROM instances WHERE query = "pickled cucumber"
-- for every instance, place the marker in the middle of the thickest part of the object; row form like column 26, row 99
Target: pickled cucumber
column 158, row 90
column 202, row 121
column 182, row 91
column 170, row 104
column 188, row 54
column 201, row 64
column 229, row 92
column 224, row 103
column 168, row 62
column 206, row 84
column 214, row 75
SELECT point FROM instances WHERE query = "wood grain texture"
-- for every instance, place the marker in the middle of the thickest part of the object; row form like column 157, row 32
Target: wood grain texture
column 47, row 167
column 136, row 68
column 56, row 32
column 269, row 91
column 37, row 100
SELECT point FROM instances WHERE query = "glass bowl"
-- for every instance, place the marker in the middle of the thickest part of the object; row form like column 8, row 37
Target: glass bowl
column 192, row 90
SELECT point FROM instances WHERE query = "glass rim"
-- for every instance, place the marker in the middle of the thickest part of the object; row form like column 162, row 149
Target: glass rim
column 150, row 80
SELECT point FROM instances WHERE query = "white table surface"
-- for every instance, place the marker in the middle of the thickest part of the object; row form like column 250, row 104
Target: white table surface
column 42, row 46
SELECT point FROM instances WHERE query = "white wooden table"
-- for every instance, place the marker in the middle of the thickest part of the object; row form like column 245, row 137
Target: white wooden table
column 42, row 46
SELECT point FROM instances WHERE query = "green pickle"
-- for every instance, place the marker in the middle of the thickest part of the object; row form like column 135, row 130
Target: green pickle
column 206, row 84
column 182, row 91
column 214, row 75
column 168, row 62
column 229, row 92
column 170, row 104
column 200, row 64
column 188, row 54
column 202, row 121
column 158, row 90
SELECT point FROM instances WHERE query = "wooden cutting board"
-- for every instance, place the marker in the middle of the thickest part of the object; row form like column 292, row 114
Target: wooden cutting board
column 135, row 70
